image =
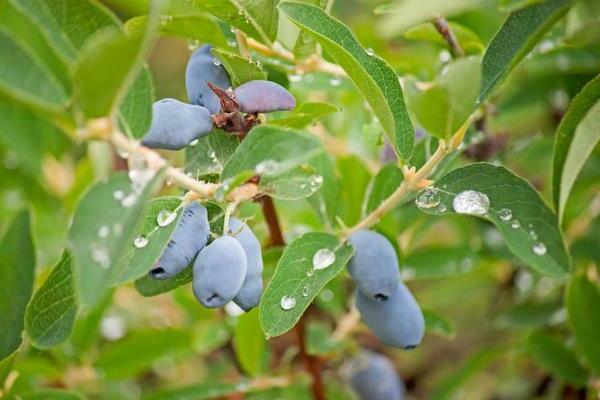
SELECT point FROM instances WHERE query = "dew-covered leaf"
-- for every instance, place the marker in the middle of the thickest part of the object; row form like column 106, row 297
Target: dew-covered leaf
column 552, row 355
column 306, row 265
column 51, row 312
column 374, row 78
column 239, row 69
column 576, row 137
column 104, row 227
column 582, row 300
column 518, row 35
column 210, row 154
column 387, row 180
column 17, row 269
column 529, row 227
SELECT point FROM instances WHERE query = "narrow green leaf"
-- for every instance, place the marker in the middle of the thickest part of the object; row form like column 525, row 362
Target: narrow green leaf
column 26, row 79
column 575, row 139
column 103, row 229
column 51, row 394
column 249, row 343
column 282, row 157
column 582, row 299
column 51, row 312
column 240, row 69
column 387, row 180
column 438, row 324
column 296, row 281
column 525, row 316
column 305, row 114
column 201, row 391
column 210, row 154
column 373, row 77
column 531, row 232
column 518, row 35
column 135, row 111
column 552, row 355
column 17, row 266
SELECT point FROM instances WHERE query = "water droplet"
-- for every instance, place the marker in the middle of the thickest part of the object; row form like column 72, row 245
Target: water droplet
column 471, row 202
column 232, row 43
column 335, row 82
column 266, row 167
column 103, row 231
column 140, row 241
column 533, row 234
column 370, row 52
column 129, row 200
column 288, row 302
column 139, row 172
column 323, row 258
column 310, row 273
column 539, row 248
column 101, row 255
column 441, row 208
column 165, row 217
column 305, row 291
column 118, row 195
column 295, row 78
column 194, row 142
column 515, row 224
column 445, row 56
column 216, row 62
column 428, row 198
column 505, row 214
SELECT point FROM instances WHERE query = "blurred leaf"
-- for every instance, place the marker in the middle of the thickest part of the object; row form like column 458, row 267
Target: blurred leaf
column 582, row 23
column 24, row 78
column 325, row 199
column 523, row 316
column 354, row 182
column 140, row 350
column 319, row 340
column 200, row 392
column 305, row 114
column 296, row 281
column 468, row 40
column 51, row 394
column 531, row 233
column 51, row 312
column 588, row 246
column 373, row 77
column 387, row 180
column 582, row 299
column 437, row 262
column 438, row 324
column 103, row 229
column 5, row 367
column 239, row 69
column 551, row 354
column 135, row 111
column 17, row 269
column 281, row 156
column 194, row 26
column 444, row 105
column 576, row 137
column 249, row 343
column 518, row 35
column 258, row 18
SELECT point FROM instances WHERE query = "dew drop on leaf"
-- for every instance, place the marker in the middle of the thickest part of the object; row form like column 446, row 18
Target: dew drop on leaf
column 323, row 258
column 428, row 198
column 194, row 142
column 310, row 272
column 471, row 202
column 370, row 52
column 140, row 241
column 335, row 82
column 305, row 291
column 129, row 200
column 505, row 214
column 118, row 195
column 288, row 302
column 266, row 167
column 539, row 248
column 515, row 224
column 216, row 62
column 101, row 255
column 103, row 231
column 165, row 217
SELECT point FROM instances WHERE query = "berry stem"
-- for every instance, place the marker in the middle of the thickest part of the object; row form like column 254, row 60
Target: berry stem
column 442, row 26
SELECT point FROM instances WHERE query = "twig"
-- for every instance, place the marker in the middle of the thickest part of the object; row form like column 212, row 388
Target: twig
column 313, row 364
column 346, row 324
column 441, row 25
column 270, row 213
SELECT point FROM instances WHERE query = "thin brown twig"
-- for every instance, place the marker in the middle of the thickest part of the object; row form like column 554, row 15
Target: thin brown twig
column 442, row 26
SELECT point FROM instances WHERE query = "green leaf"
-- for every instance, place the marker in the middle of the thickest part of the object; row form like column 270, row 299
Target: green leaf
column 576, row 137
column 468, row 40
column 518, row 35
column 194, row 26
column 210, row 154
column 444, row 105
column 373, row 77
column 239, row 69
column 305, row 114
column 17, row 266
column 136, row 262
column 387, row 180
column 582, row 299
column 135, row 111
column 26, row 79
column 354, row 182
column 139, row 350
column 249, row 343
column 438, row 324
column 325, row 199
column 524, row 316
column 51, row 312
column 319, row 340
column 103, row 229
column 552, row 355
column 201, row 391
column 532, row 226
column 296, row 278
column 282, row 157
column 258, row 18
column 437, row 262
column 51, row 394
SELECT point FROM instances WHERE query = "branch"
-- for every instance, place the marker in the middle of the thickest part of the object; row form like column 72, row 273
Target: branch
column 441, row 25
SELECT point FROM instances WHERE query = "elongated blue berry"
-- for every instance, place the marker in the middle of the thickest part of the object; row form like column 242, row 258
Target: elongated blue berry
column 219, row 271
column 397, row 322
column 251, row 291
column 263, row 97
column 203, row 67
column 374, row 377
column 176, row 124
column 374, row 265
column 190, row 236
